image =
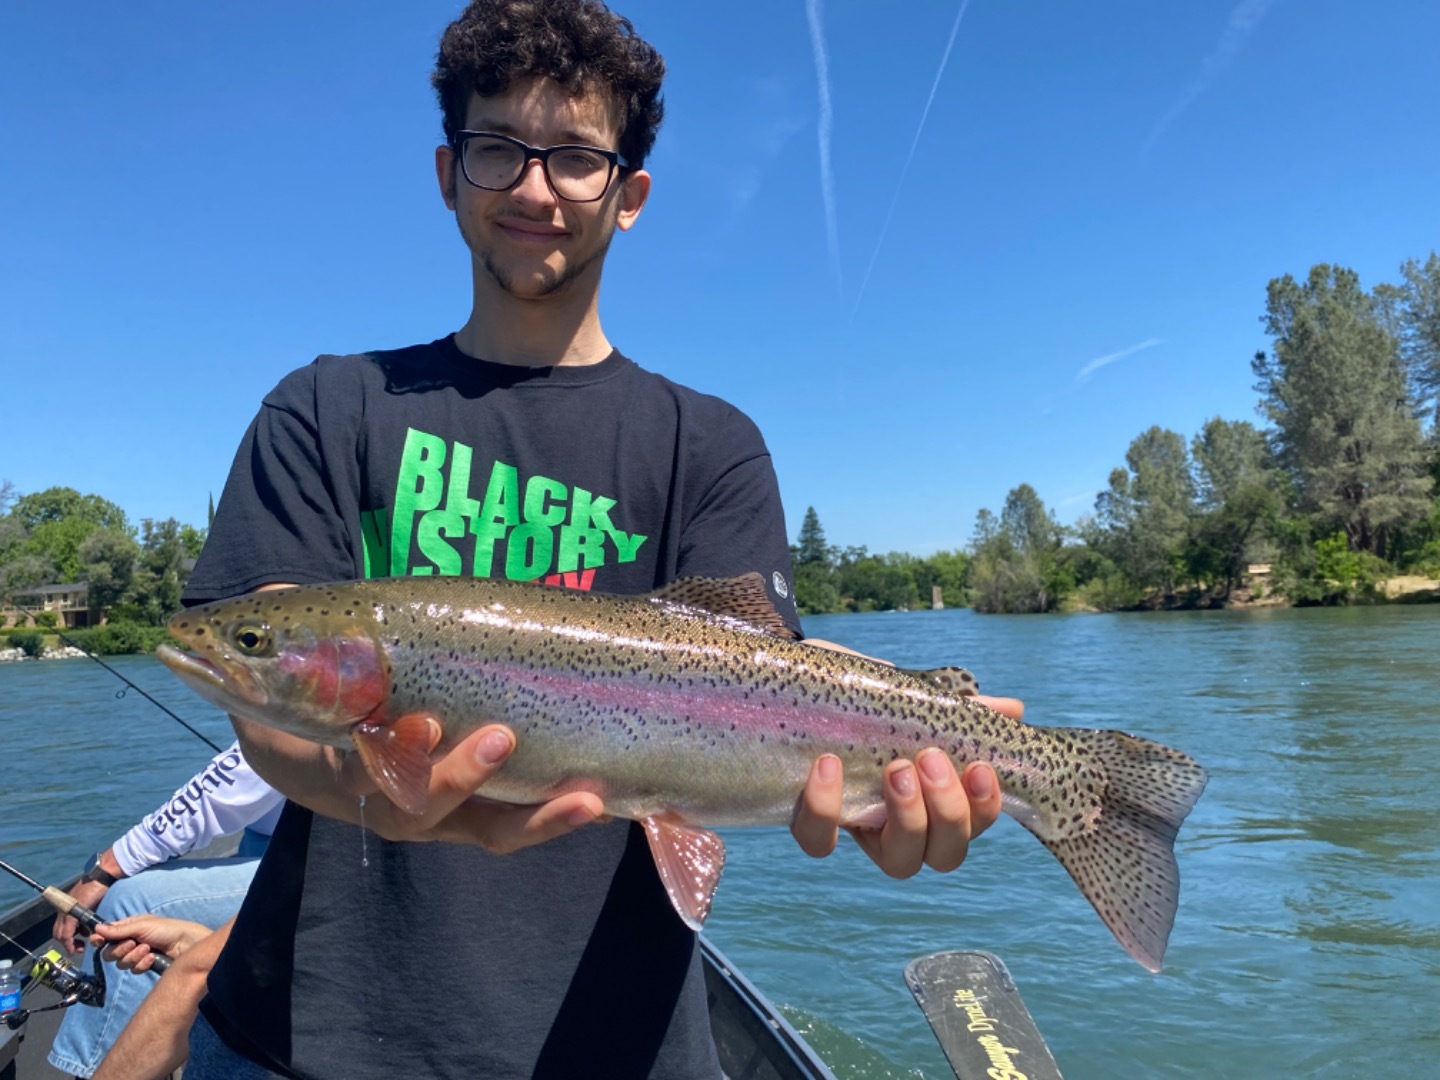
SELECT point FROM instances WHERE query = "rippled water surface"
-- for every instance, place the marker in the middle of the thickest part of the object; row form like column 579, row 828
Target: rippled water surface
column 1308, row 938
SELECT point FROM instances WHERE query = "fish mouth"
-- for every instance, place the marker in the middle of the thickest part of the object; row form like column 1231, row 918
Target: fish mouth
column 230, row 688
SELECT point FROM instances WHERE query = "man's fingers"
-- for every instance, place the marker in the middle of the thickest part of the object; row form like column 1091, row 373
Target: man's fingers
column 947, row 810
column 817, row 815
column 899, row 847
column 502, row 828
column 65, row 931
column 983, row 790
column 455, row 777
column 1011, row 707
column 453, row 780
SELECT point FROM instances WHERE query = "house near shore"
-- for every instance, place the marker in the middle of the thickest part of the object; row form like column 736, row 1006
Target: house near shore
column 70, row 604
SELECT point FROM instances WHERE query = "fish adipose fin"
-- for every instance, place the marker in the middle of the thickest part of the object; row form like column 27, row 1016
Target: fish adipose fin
column 1124, row 862
column 689, row 860
column 397, row 757
column 742, row 598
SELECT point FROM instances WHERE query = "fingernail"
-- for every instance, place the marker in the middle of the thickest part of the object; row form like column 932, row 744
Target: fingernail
column 494, row 748
column 936, row 769
column 903, row 780
column 581, row 815
column 980, row 783
column 828, row 768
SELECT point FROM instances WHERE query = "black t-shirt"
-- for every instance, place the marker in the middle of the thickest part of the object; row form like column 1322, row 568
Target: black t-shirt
column 441, row 960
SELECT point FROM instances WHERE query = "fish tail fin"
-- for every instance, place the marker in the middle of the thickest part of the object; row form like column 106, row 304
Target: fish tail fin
column 1124, row 859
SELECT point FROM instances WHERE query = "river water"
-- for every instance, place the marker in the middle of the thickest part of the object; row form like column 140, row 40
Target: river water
column 1308, row 936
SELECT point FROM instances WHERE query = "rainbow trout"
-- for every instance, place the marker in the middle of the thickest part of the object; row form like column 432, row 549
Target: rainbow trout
column 687, row 708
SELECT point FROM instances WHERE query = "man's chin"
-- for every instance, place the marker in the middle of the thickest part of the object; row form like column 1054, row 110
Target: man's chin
column 528, row 283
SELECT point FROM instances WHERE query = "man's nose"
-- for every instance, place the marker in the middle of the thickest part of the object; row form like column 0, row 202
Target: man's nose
column 534, row 185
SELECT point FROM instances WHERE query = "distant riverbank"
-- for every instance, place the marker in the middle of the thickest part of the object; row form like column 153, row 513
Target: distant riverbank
column 1404, row 589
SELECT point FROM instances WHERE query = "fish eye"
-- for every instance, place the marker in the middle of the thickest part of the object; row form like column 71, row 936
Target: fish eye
column 253, row 639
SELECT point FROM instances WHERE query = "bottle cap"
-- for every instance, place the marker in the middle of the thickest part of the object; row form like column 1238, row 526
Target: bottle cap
column 6, row 965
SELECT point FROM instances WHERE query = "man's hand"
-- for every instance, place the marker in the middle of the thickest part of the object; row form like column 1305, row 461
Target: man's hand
column 131, row 944
column 66, row 929
column 931, row 813
column 330, row 782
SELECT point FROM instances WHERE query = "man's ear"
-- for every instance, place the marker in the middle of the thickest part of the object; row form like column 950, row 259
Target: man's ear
column 634, row 190
column 445, row 173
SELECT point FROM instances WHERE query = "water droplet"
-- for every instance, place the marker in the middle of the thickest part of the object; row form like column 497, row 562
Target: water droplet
column 364, row 841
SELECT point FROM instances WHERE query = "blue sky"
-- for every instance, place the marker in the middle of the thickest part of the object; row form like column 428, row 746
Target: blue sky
column 198, row 198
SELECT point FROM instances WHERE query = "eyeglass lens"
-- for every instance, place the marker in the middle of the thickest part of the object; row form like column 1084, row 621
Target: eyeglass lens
column 574, row 172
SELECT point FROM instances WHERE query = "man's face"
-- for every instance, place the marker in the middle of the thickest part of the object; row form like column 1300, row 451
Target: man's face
column 530, row 241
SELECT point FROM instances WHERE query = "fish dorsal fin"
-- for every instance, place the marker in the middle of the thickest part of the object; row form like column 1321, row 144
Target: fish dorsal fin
column 742, row 598
column 689, row 859
column 953, row 680
column 397, row 757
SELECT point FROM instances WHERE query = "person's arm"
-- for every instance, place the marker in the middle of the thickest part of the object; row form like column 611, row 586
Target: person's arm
column 66, row 930
column 221, row 799
column 155, row 1042
column 131, row 944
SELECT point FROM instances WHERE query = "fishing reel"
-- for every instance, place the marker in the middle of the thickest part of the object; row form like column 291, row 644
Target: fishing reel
column 74, row 987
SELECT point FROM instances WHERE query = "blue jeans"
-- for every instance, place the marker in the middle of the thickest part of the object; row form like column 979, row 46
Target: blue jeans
column 206, row 891
column 211, row 1059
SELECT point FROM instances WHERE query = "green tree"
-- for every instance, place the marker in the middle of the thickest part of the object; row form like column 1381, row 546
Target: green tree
column 1345, row 423
column 1146, row 512
column 879, row 582
column 59, row 503
column 192, row 540
column 812, row 548
column 107, row 558
column 1015, row 561
column 58, row 520
column 948, row 569
column 1239, row 496
column 816, row 591
column 1410, row 312
column 159, row 576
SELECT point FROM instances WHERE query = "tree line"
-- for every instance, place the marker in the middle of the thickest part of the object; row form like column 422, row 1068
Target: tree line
column 134, row 574
column 1335, row 491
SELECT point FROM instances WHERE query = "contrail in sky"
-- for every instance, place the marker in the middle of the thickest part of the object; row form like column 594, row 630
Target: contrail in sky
column 827, row 174
column 895, row 200
column 1095, row 365
column 1244, row 17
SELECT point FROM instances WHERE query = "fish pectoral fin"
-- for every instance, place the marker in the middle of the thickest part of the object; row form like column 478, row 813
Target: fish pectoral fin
column 744, row 598
column 871, row 817
column 397, row 757
column 954, row 680
column 689, row 859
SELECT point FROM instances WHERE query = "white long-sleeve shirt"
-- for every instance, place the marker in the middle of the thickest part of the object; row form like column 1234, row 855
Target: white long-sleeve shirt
column 221, row 799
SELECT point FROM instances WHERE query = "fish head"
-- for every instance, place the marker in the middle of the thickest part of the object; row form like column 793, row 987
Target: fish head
column 291, row 659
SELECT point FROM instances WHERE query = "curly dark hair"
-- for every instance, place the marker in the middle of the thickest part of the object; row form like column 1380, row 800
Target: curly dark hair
column 581, row 44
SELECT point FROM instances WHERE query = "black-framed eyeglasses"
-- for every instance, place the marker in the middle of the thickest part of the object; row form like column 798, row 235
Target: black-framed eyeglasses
column 497, row 162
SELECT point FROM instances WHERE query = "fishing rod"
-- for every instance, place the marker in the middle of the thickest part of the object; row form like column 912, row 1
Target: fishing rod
column 50, row 970
column 128, row 684
column 66, row 904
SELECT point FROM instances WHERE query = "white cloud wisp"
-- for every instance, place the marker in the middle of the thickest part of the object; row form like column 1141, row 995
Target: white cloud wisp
column 1083, row 375
column 1243, row 19
column 827, row 173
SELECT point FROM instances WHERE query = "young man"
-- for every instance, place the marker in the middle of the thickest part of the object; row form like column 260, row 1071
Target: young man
column 522, row 445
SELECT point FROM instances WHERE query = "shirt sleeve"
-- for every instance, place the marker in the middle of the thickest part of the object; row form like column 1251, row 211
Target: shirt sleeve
column 738, row 526
column 221, row 799
column 282, row 515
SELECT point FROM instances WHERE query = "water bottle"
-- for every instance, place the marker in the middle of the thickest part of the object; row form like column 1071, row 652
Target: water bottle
column 9, row 988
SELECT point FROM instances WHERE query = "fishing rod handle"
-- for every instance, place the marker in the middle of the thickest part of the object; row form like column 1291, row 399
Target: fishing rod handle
column 66, row 904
